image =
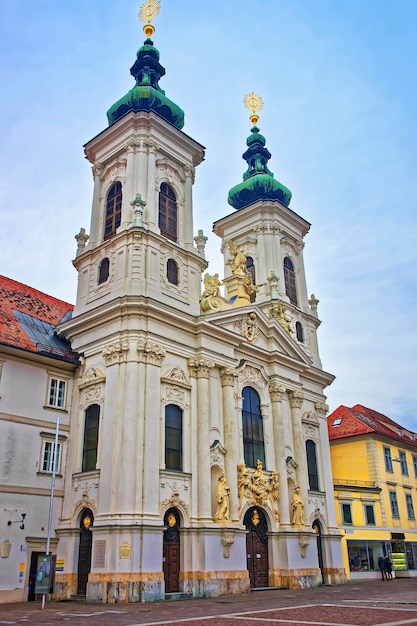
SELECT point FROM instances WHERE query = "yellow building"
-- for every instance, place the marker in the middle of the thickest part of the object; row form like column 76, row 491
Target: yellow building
column 374, row 464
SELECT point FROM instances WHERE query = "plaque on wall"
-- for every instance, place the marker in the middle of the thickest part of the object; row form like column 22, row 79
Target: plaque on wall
column 125, row 550
column 99, row 559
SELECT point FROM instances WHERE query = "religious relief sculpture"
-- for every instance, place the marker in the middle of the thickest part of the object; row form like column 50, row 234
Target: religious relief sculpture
column 248, row 326
column 257, row 488
column 279, row 311
column 222, row 497
column 297, row 509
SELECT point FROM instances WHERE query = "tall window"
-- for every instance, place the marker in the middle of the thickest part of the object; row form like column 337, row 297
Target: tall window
column 173, row 437
column 369, row 515
column 289, row 278
column 394, row 504
column 410, row 507
column 92, row 415
column 403, row 462
column 49, row 455
column 167, row 220
column 103, row 271
column 253, row 433
column 172, row 272
column 415, row 464
column 250, row 266
column 57, row 391
column 347, row 514
column 387, row 459
column 313, row 476
column 113, row 210
column 299, row 332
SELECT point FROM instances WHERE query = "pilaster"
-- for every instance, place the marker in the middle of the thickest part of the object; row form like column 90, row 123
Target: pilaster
column 276, row 391
column 228, row 377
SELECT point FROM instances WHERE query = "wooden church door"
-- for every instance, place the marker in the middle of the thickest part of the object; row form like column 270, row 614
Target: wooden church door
column 171, row 551
column 257, row 547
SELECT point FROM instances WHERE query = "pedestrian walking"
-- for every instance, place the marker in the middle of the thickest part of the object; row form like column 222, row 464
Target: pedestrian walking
column 388, row 568
column 381, row 565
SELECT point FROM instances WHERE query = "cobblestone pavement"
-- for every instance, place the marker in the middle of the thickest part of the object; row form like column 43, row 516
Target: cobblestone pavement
column 375, row 603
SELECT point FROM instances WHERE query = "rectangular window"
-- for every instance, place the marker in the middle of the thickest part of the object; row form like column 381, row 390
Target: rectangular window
column 369, row 515
column 388, row 459
column 415, row 464
column 48, row 454
column 410, row 507
column 57, row 392
column 403, row 462
column 394, row 504
column 347, row 514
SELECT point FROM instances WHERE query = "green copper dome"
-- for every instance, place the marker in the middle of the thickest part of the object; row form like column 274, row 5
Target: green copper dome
column 258, row 181
column 147, row 95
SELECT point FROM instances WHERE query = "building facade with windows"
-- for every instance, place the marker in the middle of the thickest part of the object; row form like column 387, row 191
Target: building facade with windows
column 374, row 462
column 36, row 374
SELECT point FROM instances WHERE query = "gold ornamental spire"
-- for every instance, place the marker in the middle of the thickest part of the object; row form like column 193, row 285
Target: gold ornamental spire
column 147, row 12
column 254, row 103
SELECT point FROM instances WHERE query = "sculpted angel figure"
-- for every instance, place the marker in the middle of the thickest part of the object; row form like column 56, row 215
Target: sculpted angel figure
column 238, row 263
column 274, row 494
column 212, row 285
column 297, row 508
column 242, row 483
column 222, row 496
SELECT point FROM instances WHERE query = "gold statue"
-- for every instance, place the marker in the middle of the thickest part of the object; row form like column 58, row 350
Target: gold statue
column 238, row 263
column 147, row 12
column 297, row 508
column 212, row 285
column 274, row 494
column 242, row 483
column 222, row 497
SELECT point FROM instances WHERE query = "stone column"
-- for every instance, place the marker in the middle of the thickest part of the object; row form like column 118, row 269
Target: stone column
column 151, row 217
column 187, row 235
column 276, row 391
column 152, row 355
column 228, row 376
column 129, row 186
column 95, row 210
column 200, row 369
column 296, row 398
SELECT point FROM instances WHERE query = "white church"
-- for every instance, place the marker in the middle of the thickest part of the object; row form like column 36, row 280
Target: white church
column 197, row 459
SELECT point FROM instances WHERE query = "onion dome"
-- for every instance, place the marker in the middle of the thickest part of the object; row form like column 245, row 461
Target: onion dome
column 147, row 95
column 258, row 181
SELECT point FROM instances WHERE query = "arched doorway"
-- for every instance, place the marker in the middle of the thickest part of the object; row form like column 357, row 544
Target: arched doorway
column 171, row 551
column 84, row 552
column 318, row 530
column 257, row 547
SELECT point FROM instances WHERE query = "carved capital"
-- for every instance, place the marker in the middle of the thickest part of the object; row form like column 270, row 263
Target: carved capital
column 228, row 376
column 276, row 391
column 116, row 351
column 200, row 367
column 296, row 398
column 97, row 169
column 322, row 408
column 150, row 352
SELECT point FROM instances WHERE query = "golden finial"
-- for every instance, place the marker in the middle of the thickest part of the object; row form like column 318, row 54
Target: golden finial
column 254, row 103
column 147, row 12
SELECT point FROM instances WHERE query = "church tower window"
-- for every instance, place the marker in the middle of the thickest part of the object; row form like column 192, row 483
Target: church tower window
column 289, row 278
column 250, row 266
column 172, row 272
column 90, row 446
column 173, row 437
column 103, row 271
column 313, row 475
column 299, row 332
column 113, row 210
column 253, row 434
column 167, row 220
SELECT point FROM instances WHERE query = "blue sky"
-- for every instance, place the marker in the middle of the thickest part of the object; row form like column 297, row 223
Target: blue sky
column 338, row 79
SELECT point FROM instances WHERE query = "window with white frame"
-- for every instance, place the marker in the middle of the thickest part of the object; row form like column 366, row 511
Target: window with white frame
column 57, row 392
column 50, row 455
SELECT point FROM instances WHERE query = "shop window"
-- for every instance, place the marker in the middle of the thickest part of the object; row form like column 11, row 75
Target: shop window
column 403, row 462
column 410, row 507
column 113, row 210
column 347, row 514
column 289, row 279
column 167, row 218
column 394, row 504
column 90, row 446
column 369, row 515
column 388, row 459
column 313, row 476
column 173, row 437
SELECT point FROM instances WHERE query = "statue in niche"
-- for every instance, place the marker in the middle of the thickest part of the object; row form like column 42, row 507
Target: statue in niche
column 243, row 482
column 297, row 508
column 211, row 286
column 222, row 497
column 274, row 494
column 238, row 263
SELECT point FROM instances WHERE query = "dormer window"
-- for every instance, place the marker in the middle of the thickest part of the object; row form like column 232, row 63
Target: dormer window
column 113, row 210
column 167, row 220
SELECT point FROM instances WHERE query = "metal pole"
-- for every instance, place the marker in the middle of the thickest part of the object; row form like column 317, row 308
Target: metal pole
column 51, row 498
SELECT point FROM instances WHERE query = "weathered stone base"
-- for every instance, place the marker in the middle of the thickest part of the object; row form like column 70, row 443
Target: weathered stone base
column 126, row 587
column 215, row 583
column 295, row 578
column 334, row 576
column 65, row 586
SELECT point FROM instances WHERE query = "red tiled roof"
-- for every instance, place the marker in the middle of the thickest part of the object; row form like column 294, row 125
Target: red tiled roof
column 15, row 296
column 359, row 420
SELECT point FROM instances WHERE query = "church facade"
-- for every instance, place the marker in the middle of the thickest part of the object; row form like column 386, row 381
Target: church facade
column 198, row 459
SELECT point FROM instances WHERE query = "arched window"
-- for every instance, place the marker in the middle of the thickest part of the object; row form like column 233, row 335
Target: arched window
column 313, row 476
column 173, row 437
column 172, row 272
column 289, row 278
column 103, row 271
column 113, row 210
column 299, row 331
column 92, row 416
column 167, row 220
column 253, row 433
column 250, row 266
